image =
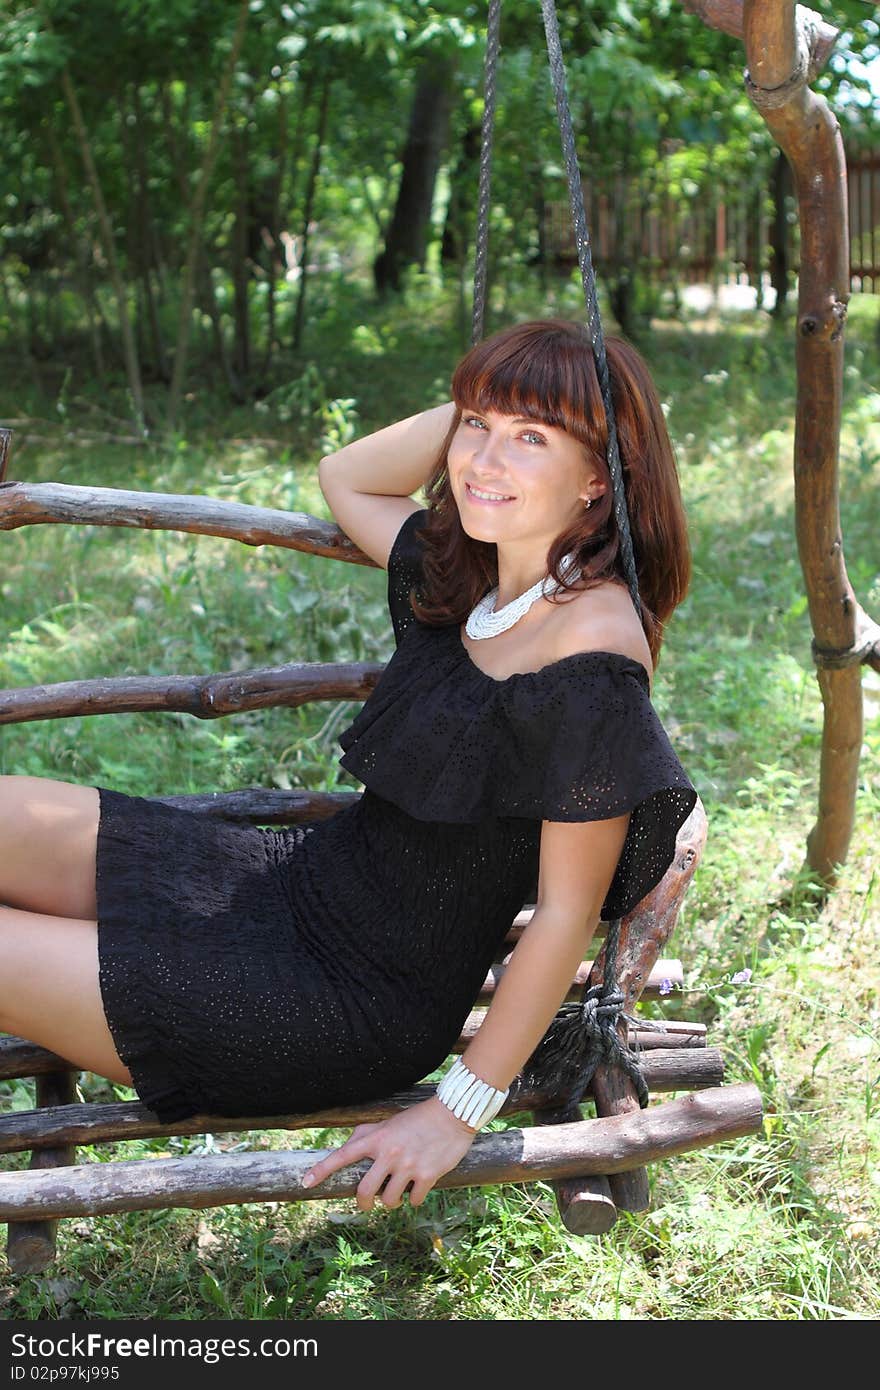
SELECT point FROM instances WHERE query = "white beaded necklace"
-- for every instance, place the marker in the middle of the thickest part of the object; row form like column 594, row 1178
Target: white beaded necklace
column 487, row 621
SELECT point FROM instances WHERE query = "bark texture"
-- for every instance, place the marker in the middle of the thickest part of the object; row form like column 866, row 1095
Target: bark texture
column 594, row 1147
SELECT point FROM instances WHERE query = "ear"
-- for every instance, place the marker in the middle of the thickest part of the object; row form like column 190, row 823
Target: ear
column 595, row 482
column 593, row 490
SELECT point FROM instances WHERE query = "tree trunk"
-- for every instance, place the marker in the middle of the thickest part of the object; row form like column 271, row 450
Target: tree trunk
column 307, row 212
column 199, row 204
column 84, row 269
column 273, row 236
column 302, row 119
column 779, row 273
column 240, row 297
column 463, row 191
column 132, row 366
column 149, row 243
column 779, row 43
column 407, row 239
column 204, row 283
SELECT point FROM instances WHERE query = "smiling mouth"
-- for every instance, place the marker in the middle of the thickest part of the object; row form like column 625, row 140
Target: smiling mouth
column 485, row 496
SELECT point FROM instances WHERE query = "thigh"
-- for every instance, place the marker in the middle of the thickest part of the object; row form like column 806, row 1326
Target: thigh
column 49, row 991
column 48, row 837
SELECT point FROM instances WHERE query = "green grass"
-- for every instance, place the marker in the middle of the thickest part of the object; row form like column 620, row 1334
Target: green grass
column 782, row 1225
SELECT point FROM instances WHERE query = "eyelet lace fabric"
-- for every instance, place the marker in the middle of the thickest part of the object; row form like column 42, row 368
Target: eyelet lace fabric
column 247, row 971
column 578, row 740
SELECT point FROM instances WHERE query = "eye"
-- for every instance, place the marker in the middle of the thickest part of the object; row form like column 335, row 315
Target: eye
column 473, row 420
column 537, row 438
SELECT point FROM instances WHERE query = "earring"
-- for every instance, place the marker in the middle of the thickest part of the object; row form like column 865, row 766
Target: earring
column 588, row 503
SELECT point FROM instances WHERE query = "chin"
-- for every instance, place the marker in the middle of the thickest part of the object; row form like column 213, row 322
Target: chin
column 472, row 530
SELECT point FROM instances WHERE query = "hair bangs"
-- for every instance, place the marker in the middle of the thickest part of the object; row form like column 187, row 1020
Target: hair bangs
column 544, row 371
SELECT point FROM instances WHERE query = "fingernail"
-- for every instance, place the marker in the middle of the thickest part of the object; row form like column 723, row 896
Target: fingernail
column 308, row 1180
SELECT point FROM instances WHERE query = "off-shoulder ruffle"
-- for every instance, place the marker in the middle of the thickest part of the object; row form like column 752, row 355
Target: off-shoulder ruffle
column 578, row 740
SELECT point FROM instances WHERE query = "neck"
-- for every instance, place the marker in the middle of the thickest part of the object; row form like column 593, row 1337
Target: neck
column 517, row 572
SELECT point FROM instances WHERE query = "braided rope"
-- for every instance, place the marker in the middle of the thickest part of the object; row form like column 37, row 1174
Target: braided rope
column 602, row 1005
column 584, row 1035
column 585, row 261
column 490, row 69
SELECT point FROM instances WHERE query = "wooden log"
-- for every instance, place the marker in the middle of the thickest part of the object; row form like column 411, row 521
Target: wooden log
column 643, row 933
column 204, row 697
column 679, row 1035
column 116, row 1120
column 30, row 1245
column 535, row 1154
column 19, row 1058
column 262, row 806
column 584, row 1203
column 777, row 37
column 727, row 16
column 522, row 919
column 35, row 504
column 665, row 973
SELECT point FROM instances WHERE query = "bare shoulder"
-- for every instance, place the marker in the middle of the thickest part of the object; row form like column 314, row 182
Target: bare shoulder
column 603, row 619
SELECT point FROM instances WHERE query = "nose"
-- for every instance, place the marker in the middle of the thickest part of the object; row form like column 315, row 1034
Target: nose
column 487, row 454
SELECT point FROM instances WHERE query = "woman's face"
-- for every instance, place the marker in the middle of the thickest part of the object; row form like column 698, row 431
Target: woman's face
column 536, row 476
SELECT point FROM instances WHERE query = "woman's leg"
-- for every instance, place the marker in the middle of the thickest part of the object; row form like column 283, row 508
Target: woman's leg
column 49, row 990
column 48, row 833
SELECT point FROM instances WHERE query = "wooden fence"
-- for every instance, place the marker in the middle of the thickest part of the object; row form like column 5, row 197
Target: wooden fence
column 718, row 235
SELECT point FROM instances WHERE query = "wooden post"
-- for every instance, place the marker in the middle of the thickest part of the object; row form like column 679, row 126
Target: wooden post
column 786, row 47
column 781, row 63
column 585, row 1204
column 30, row 1244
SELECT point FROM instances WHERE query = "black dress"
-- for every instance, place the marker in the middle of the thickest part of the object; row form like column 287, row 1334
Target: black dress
column 247, row 971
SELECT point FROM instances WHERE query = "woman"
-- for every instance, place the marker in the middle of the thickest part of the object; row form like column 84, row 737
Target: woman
column 509, row 753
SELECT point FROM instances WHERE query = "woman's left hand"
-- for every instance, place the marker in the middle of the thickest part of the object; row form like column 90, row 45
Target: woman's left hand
column 416, row 1146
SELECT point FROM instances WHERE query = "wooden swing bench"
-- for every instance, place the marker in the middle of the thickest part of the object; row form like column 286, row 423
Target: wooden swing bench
column 596, row 1166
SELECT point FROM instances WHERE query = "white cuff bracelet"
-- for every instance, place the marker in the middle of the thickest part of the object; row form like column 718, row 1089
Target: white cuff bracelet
column 472, row 1100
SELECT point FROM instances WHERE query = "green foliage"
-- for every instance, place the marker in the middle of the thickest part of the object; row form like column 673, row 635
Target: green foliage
column 656, row 95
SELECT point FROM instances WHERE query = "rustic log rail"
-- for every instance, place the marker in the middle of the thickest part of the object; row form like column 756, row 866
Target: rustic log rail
column 68, row 1123
column 35, row 504
column 664, row 977
column 204, row 697
column 20, row 1058
column 542, row 1153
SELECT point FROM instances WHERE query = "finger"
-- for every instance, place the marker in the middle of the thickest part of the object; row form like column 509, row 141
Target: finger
column 369, row 1185
column 367, row 1128
column 392, row 1193
column 347, row 1153
column 419, row 1191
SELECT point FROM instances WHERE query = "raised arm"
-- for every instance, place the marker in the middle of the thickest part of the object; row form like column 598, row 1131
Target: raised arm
column 369, row 484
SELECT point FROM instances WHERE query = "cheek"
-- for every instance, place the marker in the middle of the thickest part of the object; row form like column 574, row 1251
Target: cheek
column 454, row 459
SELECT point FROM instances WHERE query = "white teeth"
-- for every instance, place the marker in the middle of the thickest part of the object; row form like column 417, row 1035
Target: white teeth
column 490, row 496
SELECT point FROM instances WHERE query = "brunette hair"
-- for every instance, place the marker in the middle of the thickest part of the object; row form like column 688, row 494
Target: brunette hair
column 545, row 370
